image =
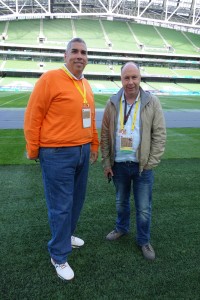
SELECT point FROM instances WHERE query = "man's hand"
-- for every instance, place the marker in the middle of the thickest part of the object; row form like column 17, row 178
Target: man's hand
column 108, row 172
column 31, row 158
column 93, row 157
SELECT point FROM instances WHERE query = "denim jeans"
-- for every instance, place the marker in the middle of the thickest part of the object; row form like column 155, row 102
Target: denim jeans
column 64, row 172
column 126, row 176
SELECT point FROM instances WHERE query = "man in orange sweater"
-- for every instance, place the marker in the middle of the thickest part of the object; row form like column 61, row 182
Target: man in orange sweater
column 60, row 130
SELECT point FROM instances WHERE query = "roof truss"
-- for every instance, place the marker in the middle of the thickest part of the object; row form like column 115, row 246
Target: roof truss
column 167, row 13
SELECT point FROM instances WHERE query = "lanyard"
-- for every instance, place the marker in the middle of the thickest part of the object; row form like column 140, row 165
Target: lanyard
column 123, row 121
column 83, row 93
column 126, row 116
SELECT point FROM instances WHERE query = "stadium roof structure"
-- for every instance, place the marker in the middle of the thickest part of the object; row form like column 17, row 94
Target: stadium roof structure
column 178, row 14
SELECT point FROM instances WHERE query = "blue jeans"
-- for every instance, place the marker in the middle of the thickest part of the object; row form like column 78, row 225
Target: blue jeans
column 126, row 174
column 64, row 172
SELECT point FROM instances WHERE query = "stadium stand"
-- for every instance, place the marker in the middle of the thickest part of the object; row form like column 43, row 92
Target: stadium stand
column 169, row 59
column 56, row 32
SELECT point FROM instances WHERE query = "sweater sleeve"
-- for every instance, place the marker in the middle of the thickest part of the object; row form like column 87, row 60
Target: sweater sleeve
column 36, row 110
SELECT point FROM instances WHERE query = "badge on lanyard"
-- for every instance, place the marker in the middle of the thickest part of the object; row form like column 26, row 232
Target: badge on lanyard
column 86, row 111
column 86, row 115
column 126, row 134
column 126, row 143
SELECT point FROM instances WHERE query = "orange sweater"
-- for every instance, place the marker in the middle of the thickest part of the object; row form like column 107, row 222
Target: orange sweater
column 53, row 117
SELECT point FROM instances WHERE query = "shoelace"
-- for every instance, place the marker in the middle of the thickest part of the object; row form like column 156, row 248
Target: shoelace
column 62, row 266
column 148, row 248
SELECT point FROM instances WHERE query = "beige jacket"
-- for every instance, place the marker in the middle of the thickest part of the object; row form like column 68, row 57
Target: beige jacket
column 152, row 131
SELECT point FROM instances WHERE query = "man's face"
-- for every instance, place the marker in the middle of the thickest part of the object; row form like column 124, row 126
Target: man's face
column 130, row 78
column 76, row 58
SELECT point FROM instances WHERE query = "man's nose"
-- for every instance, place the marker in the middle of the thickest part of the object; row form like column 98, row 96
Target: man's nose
column 130, row 81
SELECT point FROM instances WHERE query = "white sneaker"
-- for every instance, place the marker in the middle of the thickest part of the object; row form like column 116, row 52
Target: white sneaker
column 76, row 242
column 64, row 271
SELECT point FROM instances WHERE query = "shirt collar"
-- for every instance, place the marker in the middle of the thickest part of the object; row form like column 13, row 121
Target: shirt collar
column 123, row 97
column 82, row 76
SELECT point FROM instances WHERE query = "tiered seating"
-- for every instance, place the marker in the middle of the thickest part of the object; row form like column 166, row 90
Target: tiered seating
column 194, row 38
column 157, row 71
column 109, row 87
column 21, row 65
column 190, row 86
column 120, row 36
column 165, row 87
column 148, row 36
column 109, row 35
column 17, row 82
column 23, row 32
column 90, row 31
column 186, row 72
column 51, row 65
column 97, row 68
column 57, row 31
column 2, row 27
column 177, row 40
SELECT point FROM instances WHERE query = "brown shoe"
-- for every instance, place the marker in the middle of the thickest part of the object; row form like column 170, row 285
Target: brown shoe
column 114, row 235
column 148, row 252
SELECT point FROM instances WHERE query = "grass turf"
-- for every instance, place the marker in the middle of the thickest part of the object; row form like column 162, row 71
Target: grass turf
column 103, row 270
column 20, row 99
column 181, row 143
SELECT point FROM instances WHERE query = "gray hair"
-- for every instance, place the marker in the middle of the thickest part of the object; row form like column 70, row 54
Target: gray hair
column 75, row 40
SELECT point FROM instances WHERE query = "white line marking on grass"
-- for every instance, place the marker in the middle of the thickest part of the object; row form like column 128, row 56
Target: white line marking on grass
column 12, row 100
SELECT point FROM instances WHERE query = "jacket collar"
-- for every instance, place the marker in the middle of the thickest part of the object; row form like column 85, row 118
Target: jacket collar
column 144, row 97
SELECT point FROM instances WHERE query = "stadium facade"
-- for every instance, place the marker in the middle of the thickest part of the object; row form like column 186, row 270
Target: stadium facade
column 177, row 14
column 161, row 36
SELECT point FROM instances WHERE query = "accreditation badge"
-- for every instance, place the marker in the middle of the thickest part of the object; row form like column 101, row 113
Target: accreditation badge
column 86, row 115
column 126, row 144
column 126, row 141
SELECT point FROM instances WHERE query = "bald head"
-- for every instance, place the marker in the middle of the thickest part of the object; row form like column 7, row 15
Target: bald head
column 130, row 64
column 131, row 78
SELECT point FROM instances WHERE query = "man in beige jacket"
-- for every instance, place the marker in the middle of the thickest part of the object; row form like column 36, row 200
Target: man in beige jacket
column 133, row 136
